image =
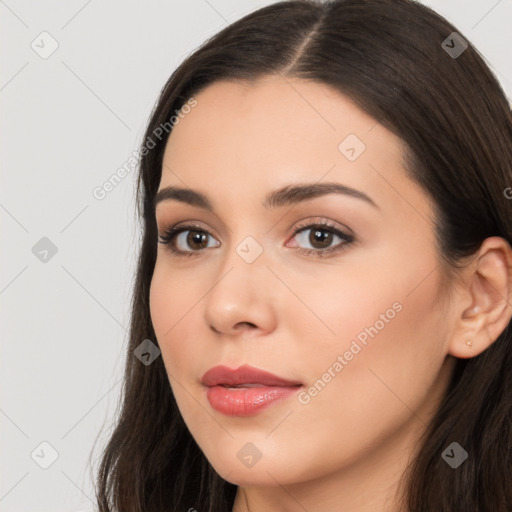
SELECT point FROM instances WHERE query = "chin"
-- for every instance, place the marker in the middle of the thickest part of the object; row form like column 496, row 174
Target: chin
column 268, row 471
column 249, row 477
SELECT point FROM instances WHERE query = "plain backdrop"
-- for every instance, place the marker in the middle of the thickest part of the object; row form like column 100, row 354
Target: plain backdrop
column 77, row 83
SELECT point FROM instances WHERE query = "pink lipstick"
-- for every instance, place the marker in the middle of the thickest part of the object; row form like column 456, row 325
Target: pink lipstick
column 246, row 390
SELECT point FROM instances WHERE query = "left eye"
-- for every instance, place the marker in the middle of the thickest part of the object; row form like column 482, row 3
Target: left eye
column 320, row 238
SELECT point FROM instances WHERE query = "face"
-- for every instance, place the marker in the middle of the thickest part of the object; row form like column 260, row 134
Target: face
column 334, row 290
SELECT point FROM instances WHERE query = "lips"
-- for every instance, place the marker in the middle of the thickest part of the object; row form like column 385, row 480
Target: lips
column 243, row 376
column 246, row 390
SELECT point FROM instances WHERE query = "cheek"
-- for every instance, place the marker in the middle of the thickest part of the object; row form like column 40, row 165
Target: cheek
column 392, row 355
column 172, row 302
column 391, row 380
column 173, row 295
column 377, row 343
column 173, row 315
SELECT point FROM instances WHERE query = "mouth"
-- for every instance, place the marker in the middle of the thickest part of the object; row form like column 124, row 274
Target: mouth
column 245, row 386
column 245, row 391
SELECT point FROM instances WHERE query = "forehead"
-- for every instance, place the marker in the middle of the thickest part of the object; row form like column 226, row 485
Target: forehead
column 294, row 108
column 256, row 137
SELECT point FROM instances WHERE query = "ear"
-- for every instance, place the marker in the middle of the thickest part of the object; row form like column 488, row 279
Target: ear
column 486, row 300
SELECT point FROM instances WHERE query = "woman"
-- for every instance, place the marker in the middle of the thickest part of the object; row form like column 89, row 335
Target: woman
column 325, row 279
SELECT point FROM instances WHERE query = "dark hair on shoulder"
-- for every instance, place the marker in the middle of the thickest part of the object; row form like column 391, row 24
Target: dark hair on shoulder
column 455, row 122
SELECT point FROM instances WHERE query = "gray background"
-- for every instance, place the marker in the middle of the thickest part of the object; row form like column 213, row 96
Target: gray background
column 70, row 120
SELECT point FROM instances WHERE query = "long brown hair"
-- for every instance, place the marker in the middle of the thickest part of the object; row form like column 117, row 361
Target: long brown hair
column 391, row 58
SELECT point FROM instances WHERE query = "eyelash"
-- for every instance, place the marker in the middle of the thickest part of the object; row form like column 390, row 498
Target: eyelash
column 169, row 236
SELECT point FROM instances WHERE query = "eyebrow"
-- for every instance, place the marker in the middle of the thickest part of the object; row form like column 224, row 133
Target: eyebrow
column 288, row 195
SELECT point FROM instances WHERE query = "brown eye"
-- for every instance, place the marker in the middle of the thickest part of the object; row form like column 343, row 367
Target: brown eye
column 197, row 239
column 187, row 240
column 320, row 237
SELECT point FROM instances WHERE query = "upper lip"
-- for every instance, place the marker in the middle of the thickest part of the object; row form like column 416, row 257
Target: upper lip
column 222, row 375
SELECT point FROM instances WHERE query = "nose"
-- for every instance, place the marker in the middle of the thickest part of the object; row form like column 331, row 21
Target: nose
column 241, row 300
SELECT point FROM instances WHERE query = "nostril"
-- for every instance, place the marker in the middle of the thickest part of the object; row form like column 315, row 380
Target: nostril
column 245, row 323
column 239, row 325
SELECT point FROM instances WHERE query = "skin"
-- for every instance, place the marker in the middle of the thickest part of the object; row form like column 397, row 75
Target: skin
column 293, row 314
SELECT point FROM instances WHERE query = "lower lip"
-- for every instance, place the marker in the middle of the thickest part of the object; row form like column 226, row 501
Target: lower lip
column 246, row 401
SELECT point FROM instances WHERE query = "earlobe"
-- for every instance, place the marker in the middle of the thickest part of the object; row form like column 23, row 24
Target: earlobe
column 490, row 294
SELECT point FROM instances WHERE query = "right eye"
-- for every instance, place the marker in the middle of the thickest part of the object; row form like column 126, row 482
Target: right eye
column 195, row 237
